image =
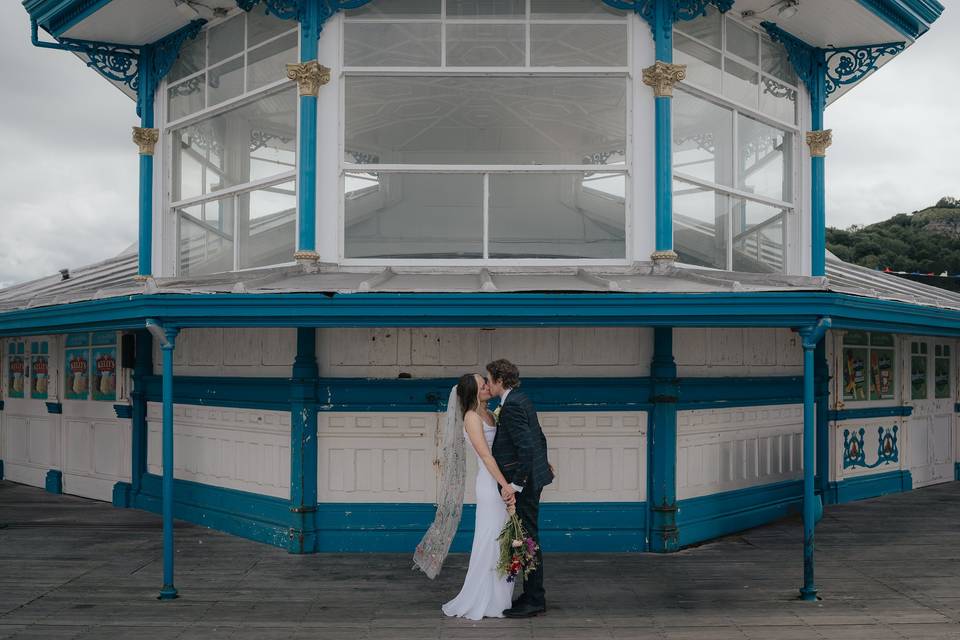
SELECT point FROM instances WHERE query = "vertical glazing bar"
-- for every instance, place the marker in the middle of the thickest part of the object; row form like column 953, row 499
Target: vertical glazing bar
column 168, row 591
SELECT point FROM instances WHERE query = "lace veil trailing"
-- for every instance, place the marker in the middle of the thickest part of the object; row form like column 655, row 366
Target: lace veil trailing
column 435, row 545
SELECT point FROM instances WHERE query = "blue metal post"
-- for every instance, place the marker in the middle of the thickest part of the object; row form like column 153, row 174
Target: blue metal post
column 138, row 401
column 662, row 445
column 818, row 198
column 811, row 337
column 303, row 445
column 663, row 142
column 822, row 398
column 168, row 591
column 146, row 138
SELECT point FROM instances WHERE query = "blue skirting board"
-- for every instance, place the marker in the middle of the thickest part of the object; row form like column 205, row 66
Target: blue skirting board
column 870, row 486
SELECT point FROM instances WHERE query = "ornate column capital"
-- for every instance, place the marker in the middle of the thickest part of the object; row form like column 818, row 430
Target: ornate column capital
column 818, row 141
column 310, row 76
column 146, row 138
column 662, row 76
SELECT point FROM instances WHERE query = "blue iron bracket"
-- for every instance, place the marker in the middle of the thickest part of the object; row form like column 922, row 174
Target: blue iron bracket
column 676, row 10
column 855, row 455
column 823, row 70
column 299, row 10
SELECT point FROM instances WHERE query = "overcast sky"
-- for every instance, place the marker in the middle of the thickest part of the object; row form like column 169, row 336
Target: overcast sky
column 68, row 169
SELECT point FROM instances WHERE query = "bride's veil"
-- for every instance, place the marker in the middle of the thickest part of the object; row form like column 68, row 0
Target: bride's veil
column 435, row 545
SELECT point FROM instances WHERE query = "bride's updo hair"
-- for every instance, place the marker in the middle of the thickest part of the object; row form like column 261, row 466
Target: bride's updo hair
column 467, row 393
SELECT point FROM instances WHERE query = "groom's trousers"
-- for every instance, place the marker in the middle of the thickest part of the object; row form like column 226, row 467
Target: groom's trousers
column 528, row 510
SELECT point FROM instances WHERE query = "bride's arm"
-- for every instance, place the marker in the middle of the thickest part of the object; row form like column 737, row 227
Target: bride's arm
column 474, row 428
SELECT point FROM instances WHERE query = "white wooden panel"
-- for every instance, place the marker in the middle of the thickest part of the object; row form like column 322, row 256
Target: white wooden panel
column 389, row 457
column 445, row 347
column 727, row 449
column 231, row 352
column 240, row 449
column 279, row 347
column 42, row 442
column 15, row 439
column 540, row 346
column 911, row 440
column 96, row 456
column 737, row 352
column 761, row 347
column 241, row 347
column 363, row 347
column 606, row 346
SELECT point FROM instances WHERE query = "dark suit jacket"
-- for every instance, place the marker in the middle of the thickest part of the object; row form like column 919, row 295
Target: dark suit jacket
column 520, row 448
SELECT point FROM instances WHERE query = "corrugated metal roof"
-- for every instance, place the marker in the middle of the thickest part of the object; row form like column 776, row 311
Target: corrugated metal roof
column 115, row 277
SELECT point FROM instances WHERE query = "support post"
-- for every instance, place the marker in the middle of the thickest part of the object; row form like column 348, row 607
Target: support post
column 662, row 445
column 303, row 444
column 822, row 398
column 811, row 336
column 138, row 401
column 167, row 337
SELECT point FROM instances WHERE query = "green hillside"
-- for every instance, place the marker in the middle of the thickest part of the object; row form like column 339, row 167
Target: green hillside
column 926, row 241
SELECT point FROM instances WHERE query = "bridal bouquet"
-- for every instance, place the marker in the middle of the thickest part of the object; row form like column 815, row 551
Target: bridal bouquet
column 517, row 550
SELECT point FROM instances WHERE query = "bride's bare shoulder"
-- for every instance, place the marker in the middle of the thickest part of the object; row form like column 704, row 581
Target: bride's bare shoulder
column 472, row 419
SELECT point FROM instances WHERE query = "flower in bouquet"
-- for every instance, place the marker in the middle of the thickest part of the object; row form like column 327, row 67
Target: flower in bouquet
column 518, row 551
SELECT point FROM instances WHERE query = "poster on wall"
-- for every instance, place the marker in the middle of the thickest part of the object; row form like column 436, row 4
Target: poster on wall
column 881, row 367
column 16, row 371
column 105, row 374
column 78, row 374
column 40, row 380
column 854, row 374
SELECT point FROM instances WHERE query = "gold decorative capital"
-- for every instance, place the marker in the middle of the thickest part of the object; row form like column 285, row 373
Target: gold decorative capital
column 819, row 141
column 667, row 255
column 306, row 256
column 140, row 278
column 662, row 76
column 310, row 76
column 146, row 138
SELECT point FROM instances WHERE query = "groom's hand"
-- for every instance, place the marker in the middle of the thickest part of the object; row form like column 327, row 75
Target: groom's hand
column 508, row 494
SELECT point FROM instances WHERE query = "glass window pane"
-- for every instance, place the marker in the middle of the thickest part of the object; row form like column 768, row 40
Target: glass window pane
column 478, row 120
column 855, row 374
column 703, row 63
column 266, row 226
column 700, row 218
column 570, row 9
column 918, row 378
column 254, row 141
column 206, row 238
column 764, row 155
column 941, row 377
column 486, row 45
column 261, row 27
column 403, row 44
column 882, row 374
column 740, row 83
column 705, row 28
column 778, row 100
column 226, row 39
column 569, row 215
column 398, row 9
column 743, row 42
column 185, row 98
column 408, row 215
column 192, row 58
column 774, row 61
column 856, row 337
column 225, row 81
column 702, row 139
column 578, row 45
column 268, row 63
column 881, row 339
column 758, row 237
column 486, row 8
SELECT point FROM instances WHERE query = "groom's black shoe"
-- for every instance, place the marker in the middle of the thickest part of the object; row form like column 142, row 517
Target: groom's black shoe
column 525, row 610
column 522, row 600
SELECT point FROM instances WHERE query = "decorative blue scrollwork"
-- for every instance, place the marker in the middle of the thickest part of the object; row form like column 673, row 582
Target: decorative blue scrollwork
column 854, row 452
column 299, row 9
column 156, row 60
column 828, row 69
column 677, row 10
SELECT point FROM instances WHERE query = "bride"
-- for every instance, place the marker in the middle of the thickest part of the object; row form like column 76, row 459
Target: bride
column 485, row 593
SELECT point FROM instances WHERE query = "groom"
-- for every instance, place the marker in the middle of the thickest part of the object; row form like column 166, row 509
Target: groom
column 520, row 450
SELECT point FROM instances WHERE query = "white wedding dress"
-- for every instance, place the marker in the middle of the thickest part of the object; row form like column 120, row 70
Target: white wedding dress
column 484, row 594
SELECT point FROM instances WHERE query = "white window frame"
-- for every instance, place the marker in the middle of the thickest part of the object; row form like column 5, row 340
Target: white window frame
column 791, row 224
column 171, row 217
column 625, row 72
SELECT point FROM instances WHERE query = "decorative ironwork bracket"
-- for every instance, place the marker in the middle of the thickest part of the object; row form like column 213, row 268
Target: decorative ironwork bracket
column 299, row 10
column 677, row 10
column 827, row 69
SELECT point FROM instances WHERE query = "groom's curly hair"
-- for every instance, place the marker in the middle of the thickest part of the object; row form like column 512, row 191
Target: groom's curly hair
column 505, row 372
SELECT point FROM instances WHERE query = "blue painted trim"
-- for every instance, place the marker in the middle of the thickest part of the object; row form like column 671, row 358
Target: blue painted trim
column 708, row 517
column 238, row 393
column 54, row 407
column 397, row 528
column 58, row 16
column 902, row 411
column 123, row 411
column 143, row 348
column 1, row 405
column 662, row 445
column 145, row 211
column 122, row 495
column 1, row 469
column 740, row 309
column 303, row 444
column 869, row 486
column 53, row 483
column 821, row 382
column 901, row 16
column 956, row 407
column 717, row 393
column 244, row 514
column 956, row 470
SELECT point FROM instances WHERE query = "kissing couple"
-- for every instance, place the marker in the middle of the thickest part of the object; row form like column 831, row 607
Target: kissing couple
column 512, row 471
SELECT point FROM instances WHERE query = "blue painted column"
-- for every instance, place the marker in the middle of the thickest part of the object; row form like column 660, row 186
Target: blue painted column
column 821, row 370
column 818, row 139
column 168, row 591
column 138, row 400
column 662, row 75
column 811, row 337
column 145, row 136
column 662, row 445
column 309, row 75
column 303, row 444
